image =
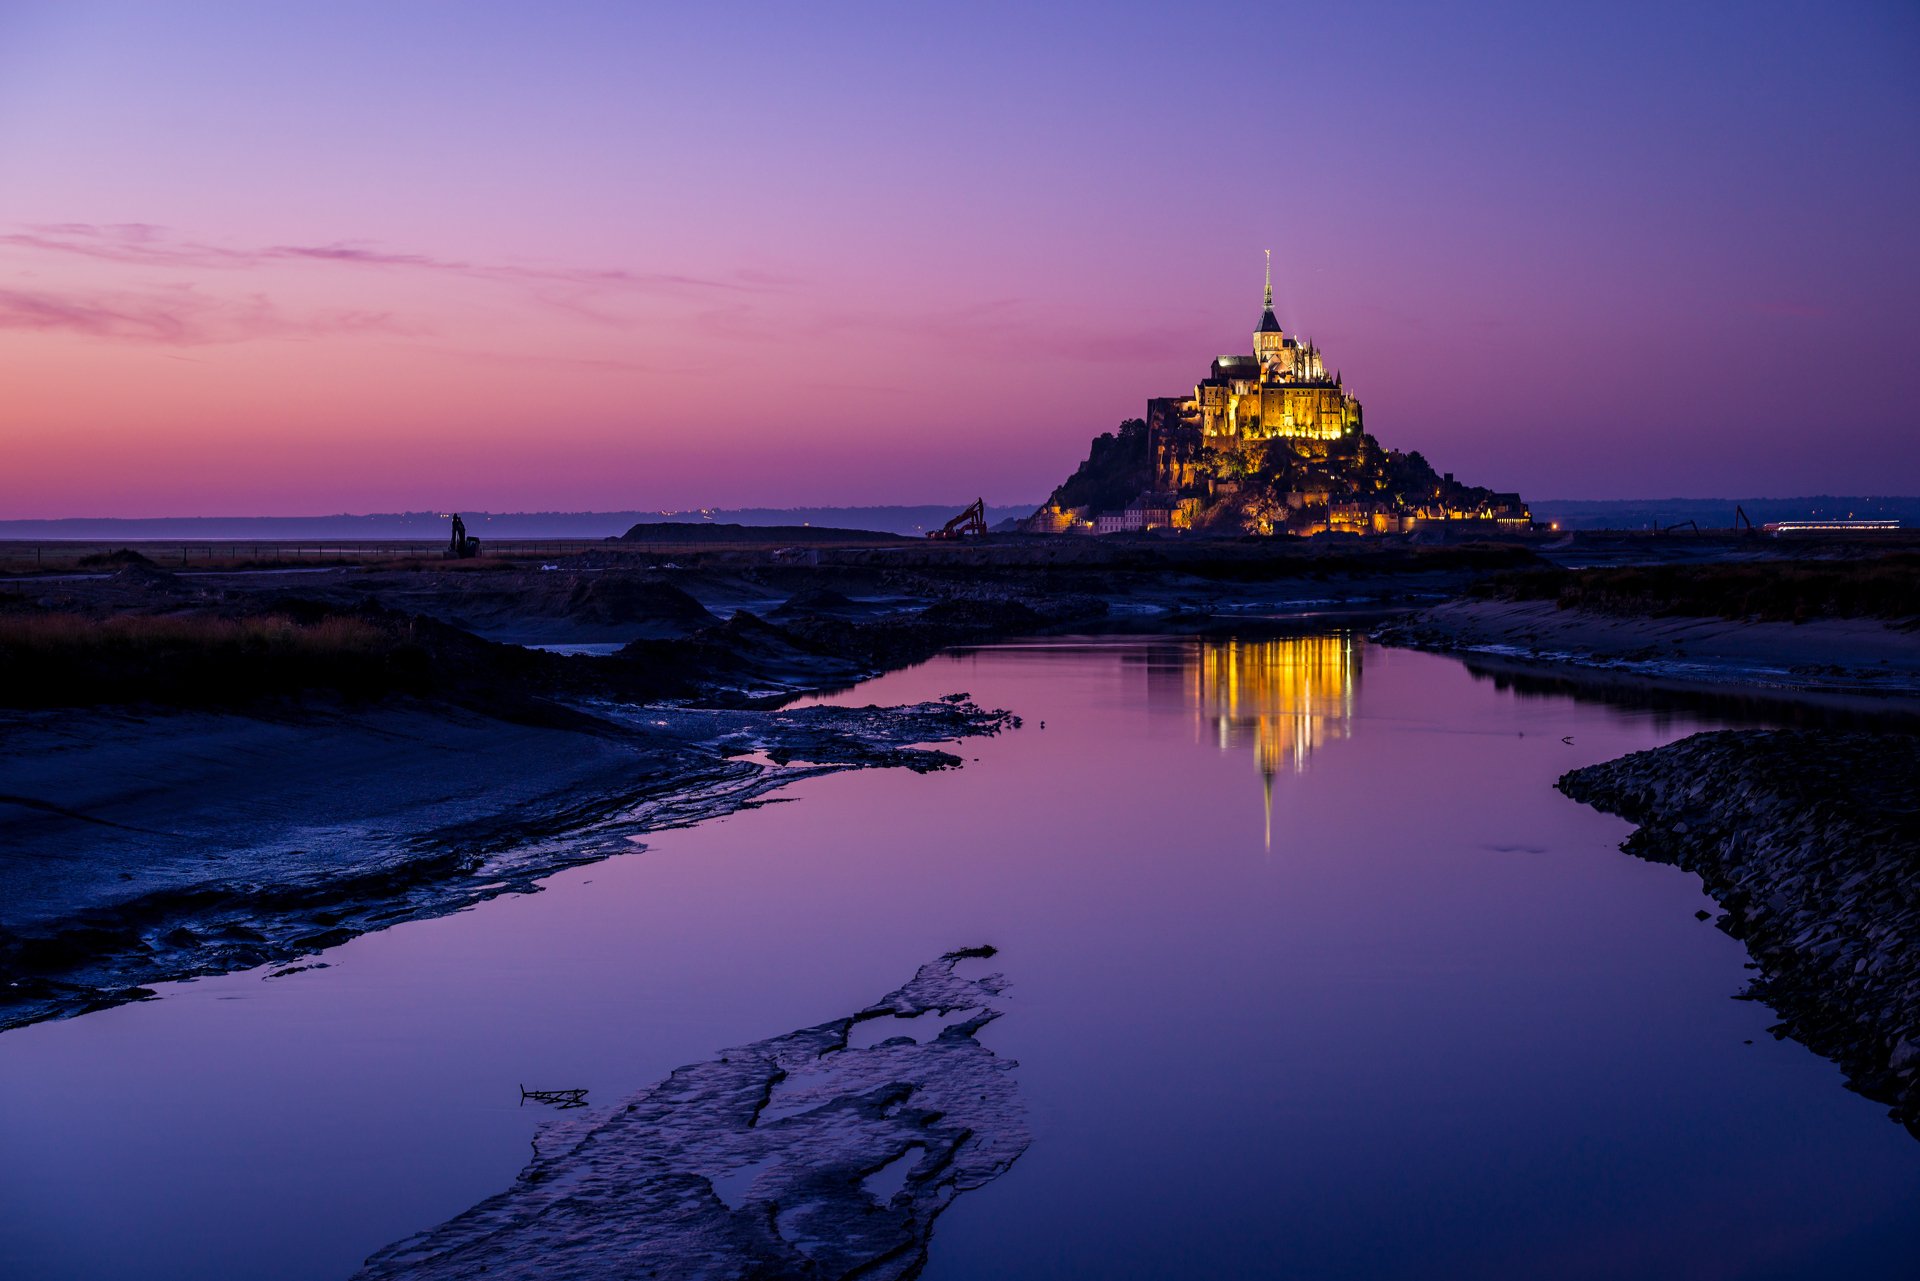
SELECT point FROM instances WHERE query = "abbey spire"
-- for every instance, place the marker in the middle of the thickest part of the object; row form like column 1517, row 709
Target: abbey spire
column 1268, row 325
column 1269, row 343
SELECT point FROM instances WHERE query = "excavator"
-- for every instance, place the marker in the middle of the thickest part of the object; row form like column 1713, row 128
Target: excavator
column 972, row 521
column 459, row 546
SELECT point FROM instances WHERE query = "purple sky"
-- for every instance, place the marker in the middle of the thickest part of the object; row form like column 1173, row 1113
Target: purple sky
column 315, row 257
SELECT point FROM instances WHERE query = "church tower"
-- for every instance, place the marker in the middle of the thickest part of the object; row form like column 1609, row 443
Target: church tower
column 1269, row 343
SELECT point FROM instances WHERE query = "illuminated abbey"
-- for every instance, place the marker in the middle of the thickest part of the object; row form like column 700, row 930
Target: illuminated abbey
column 1282, row 391
column 1270, row 442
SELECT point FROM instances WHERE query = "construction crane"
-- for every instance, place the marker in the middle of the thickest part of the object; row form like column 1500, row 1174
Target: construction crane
column 972, row 521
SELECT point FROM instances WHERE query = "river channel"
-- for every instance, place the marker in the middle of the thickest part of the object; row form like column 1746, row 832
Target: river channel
column 1313, row 974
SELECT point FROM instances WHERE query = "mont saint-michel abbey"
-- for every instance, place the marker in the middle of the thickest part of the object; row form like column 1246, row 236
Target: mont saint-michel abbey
column 1281, row 390
column 1269, row 443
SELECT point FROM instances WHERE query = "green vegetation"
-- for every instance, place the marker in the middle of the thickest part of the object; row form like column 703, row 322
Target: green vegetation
column 1886, row 587
column 67, row 660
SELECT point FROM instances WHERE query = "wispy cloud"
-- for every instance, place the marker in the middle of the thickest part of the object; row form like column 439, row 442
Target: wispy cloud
column 179, row 317
column 148, row 245
column 614, row 298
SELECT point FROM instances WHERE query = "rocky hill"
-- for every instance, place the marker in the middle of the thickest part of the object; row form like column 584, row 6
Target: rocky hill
column 1282, row 485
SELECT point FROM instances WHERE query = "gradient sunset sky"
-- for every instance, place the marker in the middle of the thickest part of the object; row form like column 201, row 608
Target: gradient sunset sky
column 303, row 258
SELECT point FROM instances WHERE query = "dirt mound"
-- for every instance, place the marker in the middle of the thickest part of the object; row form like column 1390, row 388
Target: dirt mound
column 113, row 559
column 983, row 615
column 817, row 600
column 617, row 600
column 546, row 606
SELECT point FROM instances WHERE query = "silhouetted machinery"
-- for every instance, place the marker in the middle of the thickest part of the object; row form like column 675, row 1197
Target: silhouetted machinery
column 459, row 546
column 1677, row 526
column 1742, row 523
column 972, row 521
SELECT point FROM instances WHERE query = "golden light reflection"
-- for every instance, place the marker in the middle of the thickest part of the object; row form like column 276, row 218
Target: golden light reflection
column 1286, row 698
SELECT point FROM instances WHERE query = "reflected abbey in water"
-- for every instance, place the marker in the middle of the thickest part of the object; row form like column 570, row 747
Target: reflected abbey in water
column 1284, row 697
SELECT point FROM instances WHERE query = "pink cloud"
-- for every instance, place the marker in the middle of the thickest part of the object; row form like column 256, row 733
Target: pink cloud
column 145, row 244
column 178, row 317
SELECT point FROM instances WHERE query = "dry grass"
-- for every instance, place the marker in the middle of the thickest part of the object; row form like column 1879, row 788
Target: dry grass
column 55, row 660
column 1885, row 587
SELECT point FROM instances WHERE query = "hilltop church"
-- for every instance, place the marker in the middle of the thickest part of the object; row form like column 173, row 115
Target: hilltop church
column 1281, row 390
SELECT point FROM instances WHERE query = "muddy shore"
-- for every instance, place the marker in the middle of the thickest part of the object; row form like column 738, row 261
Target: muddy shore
column 1810, row 843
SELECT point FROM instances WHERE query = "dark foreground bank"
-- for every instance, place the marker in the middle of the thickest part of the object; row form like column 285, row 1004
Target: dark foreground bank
column 1810, row 842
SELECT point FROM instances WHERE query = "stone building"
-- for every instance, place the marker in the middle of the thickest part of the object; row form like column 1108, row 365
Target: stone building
column 1281, row 391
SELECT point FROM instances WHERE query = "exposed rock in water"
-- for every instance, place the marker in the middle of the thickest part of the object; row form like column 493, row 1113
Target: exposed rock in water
column 1810, row 841
column 799, row 1156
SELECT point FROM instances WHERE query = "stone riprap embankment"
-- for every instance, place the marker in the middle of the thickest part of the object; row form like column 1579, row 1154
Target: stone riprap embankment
column 1810, row 842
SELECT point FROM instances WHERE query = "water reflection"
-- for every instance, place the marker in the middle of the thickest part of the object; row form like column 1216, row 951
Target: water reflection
column 1452, row 994
column 1285, row 697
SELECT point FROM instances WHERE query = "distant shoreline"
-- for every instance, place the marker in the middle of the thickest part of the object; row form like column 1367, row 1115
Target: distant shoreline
column 528, row 526
column 1625, row 514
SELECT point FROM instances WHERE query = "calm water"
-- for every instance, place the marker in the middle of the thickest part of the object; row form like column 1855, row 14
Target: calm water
column 1315, row 975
